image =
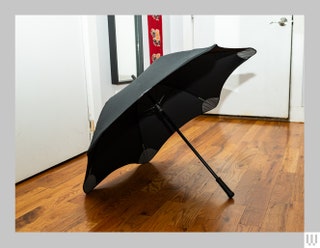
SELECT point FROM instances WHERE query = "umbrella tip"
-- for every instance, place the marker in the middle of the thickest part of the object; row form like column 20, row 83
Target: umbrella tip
column 247, row 53
column 89, row 183
column 147, row 155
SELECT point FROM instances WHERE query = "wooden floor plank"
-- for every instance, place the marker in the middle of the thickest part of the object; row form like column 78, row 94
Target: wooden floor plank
column 262, row 161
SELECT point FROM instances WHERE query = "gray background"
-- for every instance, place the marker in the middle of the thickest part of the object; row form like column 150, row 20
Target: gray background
column 8, row 237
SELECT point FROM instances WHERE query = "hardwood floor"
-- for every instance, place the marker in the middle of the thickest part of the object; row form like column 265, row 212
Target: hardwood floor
column 261, row 161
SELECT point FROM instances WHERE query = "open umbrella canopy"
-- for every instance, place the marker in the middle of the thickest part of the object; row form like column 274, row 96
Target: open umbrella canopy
column 135, row 123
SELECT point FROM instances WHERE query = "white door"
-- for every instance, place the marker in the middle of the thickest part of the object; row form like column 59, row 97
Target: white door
column 51, row 101
column 260, row 86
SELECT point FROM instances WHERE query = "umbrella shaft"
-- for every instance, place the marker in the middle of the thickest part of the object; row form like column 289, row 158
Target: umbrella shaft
column 197, row 154
column 166, row 119
column 170, row 122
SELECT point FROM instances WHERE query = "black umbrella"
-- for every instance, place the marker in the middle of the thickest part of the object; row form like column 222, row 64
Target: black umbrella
column 136, row 122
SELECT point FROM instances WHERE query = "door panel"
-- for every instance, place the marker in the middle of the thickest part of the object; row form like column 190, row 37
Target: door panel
column 260, row 86
column 51, row 99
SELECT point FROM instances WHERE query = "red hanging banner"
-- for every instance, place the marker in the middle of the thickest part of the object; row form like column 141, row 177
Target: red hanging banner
column 155, row 37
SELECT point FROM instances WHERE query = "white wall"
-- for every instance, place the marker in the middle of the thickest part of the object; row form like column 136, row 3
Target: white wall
column 51, row 114
column 297, row 71
column 97, row 56
column 177, row 35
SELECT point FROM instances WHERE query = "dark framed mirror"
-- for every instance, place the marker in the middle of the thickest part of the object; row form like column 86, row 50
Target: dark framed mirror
column 126, row 47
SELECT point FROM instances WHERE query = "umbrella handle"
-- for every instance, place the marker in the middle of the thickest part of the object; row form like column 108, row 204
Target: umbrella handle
column 225, row 187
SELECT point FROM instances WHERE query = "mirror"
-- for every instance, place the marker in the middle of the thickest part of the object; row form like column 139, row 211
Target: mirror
column 126, row 47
